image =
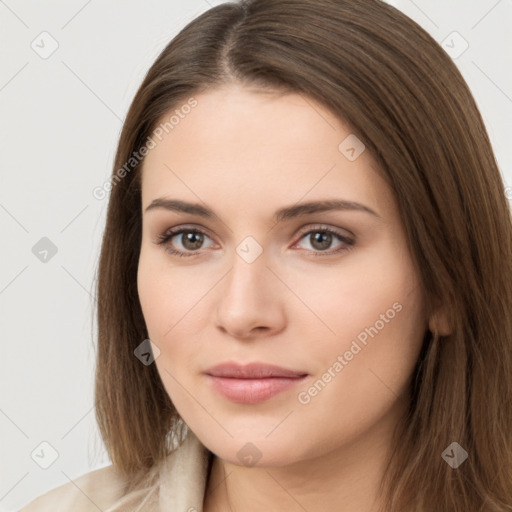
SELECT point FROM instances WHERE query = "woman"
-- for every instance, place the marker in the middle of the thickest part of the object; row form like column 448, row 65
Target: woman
column 305, row 279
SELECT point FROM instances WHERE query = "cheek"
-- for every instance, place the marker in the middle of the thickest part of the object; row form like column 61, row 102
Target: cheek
column 151, row 296
column 380, row 343
column 346, row 298
column 166, row 294
column 164, row 305
column 174, row 305
column 360, row 374
column 369, row 310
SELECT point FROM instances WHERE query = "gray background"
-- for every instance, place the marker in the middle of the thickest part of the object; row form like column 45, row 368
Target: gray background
column 60, row 121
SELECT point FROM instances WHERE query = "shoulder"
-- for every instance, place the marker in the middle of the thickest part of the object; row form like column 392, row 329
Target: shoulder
column 179, row 480
column 97, row 490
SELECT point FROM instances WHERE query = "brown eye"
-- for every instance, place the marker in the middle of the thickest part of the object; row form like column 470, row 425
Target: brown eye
column 183, row 241
column 322, row 239
column 191, row 240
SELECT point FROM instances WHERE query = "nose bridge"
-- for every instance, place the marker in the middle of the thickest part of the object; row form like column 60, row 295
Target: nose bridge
column 247, row 298
column 248, row 274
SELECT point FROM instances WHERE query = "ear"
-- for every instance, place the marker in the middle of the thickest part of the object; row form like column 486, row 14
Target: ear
column 439, row 322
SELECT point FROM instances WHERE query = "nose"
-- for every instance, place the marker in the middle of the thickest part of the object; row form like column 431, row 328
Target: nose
column 250, row 301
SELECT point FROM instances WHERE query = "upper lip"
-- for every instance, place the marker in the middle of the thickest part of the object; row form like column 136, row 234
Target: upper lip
column 252, row 371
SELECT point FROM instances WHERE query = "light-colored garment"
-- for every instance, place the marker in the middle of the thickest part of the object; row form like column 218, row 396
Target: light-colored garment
column 176, row 485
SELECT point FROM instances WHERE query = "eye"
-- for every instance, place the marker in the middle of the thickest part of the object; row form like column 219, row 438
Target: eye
column 321, row 239
column 187, row 241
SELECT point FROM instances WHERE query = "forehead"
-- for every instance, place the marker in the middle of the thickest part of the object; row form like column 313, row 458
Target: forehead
column 241, row 143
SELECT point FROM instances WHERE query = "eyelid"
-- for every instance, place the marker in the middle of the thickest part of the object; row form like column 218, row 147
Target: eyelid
column 325, row 227
column 186, row 227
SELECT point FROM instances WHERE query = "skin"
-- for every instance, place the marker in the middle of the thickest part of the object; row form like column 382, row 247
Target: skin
column 245, row 153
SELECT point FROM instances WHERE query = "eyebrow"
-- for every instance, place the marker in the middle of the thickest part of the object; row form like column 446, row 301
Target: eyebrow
column 280, row 215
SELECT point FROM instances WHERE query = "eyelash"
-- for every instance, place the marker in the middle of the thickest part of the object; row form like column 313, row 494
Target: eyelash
column 168, row 235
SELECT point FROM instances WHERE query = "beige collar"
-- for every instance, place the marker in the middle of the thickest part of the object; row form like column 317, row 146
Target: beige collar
column 183, row 477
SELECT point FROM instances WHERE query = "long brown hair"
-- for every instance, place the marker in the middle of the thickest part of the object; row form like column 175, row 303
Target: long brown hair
column 402, row 95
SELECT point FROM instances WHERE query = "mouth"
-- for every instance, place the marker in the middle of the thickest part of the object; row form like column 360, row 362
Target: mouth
column 252, row 383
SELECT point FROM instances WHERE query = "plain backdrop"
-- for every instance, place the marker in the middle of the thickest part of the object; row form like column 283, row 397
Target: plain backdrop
column 61, row 115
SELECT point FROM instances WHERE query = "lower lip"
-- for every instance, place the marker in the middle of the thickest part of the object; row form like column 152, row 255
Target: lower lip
column 252, row 391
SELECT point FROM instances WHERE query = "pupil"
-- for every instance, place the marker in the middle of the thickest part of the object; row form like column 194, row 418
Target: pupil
column 321, row 240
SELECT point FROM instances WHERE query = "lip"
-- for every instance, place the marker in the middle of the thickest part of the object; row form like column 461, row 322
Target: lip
column 254, row 370
column 252, row 383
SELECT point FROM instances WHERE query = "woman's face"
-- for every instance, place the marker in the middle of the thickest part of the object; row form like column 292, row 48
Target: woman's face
column 249, row 284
